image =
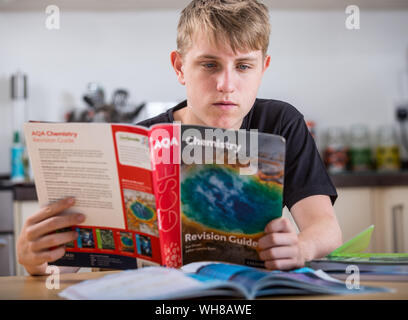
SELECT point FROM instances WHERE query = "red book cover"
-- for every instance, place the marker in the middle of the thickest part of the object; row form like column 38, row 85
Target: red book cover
column 164, row 143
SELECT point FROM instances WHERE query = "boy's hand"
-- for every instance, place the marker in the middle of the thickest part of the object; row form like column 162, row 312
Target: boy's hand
column 38, row 243
column 280, row 246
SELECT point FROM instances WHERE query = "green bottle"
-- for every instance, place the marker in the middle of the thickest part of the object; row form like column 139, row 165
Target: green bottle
column 360, row 156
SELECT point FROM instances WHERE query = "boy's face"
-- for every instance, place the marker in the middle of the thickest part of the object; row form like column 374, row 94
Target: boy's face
column 221, row 86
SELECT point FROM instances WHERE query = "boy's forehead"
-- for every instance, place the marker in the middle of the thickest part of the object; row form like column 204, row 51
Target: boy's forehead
column 204, row 46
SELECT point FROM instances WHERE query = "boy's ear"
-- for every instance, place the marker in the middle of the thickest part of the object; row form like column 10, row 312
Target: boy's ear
column 177, row 63
column 267, row 61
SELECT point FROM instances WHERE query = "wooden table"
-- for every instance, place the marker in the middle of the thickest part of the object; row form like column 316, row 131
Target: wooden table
column 29, row 287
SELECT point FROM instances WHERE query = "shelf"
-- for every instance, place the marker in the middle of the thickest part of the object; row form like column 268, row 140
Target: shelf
column 21, row 191
column 370, row 179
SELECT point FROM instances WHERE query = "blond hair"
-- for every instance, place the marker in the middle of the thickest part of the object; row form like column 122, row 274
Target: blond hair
column 244, row 24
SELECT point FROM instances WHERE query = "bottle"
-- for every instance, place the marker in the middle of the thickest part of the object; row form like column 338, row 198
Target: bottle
column 360, row 150
column 336, row 152
column 17, row 159
column 387, row 151
column 402, row 134
column 19, row 97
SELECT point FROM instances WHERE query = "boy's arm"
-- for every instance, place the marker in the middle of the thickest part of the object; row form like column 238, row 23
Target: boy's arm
column 282, row 248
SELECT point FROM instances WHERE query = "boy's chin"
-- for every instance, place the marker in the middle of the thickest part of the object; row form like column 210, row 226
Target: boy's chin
column 224, row 123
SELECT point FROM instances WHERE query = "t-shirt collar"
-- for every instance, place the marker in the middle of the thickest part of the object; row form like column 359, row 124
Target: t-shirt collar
column 183, row 104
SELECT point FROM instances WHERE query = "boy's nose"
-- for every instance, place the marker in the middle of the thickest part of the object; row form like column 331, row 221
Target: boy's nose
column 225, row 82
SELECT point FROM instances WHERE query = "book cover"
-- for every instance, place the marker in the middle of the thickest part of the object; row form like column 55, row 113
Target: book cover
column 166, row 195
column 229, row 193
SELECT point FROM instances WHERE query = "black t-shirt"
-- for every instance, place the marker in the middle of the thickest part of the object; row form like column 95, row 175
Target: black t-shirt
column 305, row 174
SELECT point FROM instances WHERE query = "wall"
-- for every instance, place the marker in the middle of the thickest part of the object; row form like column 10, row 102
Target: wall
column 334, row 76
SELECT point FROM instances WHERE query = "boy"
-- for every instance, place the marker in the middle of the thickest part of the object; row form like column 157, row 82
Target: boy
column 221, row 57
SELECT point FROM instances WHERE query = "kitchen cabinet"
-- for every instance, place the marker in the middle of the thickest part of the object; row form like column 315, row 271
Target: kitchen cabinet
column 354, row 208
column 391, row 219
column 22, row 210
column 386, row 207
column 7, row 253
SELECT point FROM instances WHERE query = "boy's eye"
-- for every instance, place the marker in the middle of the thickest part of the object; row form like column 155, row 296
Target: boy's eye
column 209, row 65
column 243, row 67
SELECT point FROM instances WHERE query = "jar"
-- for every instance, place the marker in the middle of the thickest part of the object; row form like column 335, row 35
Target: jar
column 387, row 150
column 335, row 154
column 360, row 150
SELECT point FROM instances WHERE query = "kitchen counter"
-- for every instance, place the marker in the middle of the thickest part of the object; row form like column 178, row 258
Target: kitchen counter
column 21, row 191
column 27, row 192
column 370, row 179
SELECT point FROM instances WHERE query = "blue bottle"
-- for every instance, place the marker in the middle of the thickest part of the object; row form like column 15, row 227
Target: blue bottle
column 17, row 159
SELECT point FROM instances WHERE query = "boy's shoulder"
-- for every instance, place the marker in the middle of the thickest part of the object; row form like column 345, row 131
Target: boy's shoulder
column 165, row 117
column 270, row 115
column 281, row 109
column 161, row 118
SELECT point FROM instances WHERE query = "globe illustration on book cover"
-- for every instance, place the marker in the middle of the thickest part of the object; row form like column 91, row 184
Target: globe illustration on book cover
column 218, row 197
column 224, row 213
column 142, row 211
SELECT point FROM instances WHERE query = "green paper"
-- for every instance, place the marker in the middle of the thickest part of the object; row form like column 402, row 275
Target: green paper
column 356, row 245
column 384, row 258
column 353, row 251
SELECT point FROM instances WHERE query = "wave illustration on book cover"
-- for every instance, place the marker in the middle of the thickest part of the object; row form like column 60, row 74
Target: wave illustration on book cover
column 226, row 212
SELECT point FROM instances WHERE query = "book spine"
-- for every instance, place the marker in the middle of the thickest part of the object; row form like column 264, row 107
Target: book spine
column 165, row 149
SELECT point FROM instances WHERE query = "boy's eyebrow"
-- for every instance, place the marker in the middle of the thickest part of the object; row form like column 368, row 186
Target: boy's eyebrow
column 208, row 56
column 247, row 59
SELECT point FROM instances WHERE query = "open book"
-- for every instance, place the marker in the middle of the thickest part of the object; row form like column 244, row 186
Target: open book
column 168, row 195
column 209, row 279
column 371, row 266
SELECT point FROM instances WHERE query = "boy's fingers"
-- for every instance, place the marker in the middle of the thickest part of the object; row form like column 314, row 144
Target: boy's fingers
column 277, row 253
column 50, row 210
column 270, row 240
column 279, row 225
column 51, row 255
column 54, row 240
column 52, row 224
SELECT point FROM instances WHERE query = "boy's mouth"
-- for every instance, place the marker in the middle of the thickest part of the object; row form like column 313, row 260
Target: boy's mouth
column 225, row 105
